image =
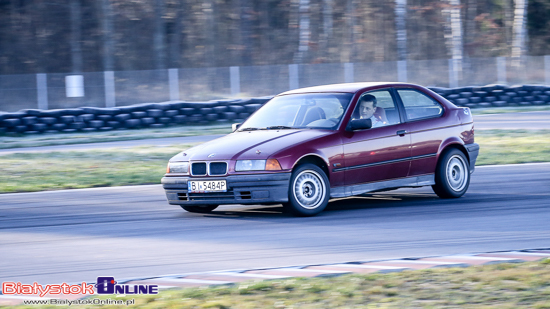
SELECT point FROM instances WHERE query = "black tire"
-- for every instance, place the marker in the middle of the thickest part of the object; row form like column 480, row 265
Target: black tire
column 308, row 191
column 202, row 209
column 452, row 174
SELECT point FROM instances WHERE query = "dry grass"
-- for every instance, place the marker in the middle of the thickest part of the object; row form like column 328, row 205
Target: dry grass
column 513, row 146
column 23, row 172
column 523, row 285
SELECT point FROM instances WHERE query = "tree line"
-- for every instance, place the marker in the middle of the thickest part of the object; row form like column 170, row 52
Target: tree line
column 48, row 36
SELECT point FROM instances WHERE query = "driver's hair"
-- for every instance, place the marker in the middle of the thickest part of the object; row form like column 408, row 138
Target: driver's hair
column 368, row 98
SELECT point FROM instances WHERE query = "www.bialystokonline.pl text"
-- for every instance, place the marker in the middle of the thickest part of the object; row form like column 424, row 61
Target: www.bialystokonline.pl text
column 91, row 301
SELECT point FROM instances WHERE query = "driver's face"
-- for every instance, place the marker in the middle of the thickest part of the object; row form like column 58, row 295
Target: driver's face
column 366, row 109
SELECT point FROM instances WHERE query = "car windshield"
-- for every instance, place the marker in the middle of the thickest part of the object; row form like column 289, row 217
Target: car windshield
column 294, row 111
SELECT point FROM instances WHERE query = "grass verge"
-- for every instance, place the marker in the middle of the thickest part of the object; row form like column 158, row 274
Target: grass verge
column 505, row 110
column 513, row 146
column 522, row 285
column 23, row 172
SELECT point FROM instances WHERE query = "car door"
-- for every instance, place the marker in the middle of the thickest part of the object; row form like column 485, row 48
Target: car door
column 427, row 128
column 379, row 153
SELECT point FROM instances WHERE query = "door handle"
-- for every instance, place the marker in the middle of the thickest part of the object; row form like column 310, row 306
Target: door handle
column 401, row 132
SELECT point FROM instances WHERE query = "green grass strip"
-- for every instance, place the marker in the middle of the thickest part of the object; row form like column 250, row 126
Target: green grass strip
column 513, row 146
column 24, row 172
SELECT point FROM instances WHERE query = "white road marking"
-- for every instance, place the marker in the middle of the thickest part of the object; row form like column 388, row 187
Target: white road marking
column 522, row 253
column 472, row 257
column 250, row 275
column 310, row 270
column 419, row 262
column 199, row 281
column 366, row 266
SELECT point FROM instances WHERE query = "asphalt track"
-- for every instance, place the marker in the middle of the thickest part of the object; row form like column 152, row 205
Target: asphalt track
column 128, row 232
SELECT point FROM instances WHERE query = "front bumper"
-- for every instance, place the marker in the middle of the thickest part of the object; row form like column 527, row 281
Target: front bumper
column 241, row 189
column 473, row 152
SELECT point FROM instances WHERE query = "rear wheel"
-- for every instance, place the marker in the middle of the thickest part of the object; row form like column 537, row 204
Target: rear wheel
column 308, row 192
column 200, row 208
column 452, row 175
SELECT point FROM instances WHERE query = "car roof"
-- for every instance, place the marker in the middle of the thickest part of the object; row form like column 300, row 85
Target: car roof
column 346, row 87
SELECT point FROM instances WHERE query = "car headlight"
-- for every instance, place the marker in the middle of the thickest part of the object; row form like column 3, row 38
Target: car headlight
column 178, row 167
column 257, row 165
column 250, row 165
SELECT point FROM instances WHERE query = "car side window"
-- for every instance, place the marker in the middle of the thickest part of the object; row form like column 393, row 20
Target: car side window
column 383, row 112
column 418, row 105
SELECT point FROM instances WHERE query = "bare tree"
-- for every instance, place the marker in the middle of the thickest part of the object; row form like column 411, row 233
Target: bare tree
column 349, row 53
column 38, row 33
column 108, row 36
column 246, row 31
column 305, row 32
column 328, row 25
column 265, row 41
column 209, row 33
column 453, row 35
column 76, row 33
column 401, row 29
column 518, row 43
column 470, row 22
column 159, row 44
column 508, row 21
column 293, row 25
column 175, row 43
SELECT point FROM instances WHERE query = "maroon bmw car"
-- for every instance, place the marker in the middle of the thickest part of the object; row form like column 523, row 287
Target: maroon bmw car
column 309, row 145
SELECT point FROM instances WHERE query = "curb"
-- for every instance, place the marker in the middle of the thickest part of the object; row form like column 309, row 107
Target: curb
column 336, row 269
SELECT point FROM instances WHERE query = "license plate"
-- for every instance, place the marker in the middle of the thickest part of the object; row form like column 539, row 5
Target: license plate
column 205, row 186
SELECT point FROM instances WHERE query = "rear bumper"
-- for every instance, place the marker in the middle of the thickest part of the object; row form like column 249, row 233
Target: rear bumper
column 241, row 189
column 473, row 152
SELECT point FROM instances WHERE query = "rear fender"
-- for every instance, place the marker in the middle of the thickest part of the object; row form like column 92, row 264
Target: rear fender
column 452, row 142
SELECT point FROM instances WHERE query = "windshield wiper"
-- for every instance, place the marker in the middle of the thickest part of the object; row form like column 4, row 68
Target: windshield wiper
column 250, row 129
column 279, row 127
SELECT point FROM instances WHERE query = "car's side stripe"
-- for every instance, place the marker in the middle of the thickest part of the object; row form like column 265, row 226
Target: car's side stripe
column 384, row 162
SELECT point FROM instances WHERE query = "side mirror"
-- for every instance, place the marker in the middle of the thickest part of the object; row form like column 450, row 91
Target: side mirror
column 360, row 124
column 235, row 126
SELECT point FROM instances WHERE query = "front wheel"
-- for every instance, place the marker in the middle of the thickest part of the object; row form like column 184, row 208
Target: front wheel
column 202, row 209
column 309, row 191
column 452, row 175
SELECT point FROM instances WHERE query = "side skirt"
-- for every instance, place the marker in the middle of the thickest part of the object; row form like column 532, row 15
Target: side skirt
column 416, row 181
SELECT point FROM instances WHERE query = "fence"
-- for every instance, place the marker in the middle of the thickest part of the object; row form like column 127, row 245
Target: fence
column 110, row 89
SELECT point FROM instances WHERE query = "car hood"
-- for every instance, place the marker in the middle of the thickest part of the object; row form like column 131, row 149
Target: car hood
column 248, row 145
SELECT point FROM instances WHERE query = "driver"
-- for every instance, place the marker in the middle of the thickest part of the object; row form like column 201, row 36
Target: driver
column 367, row 107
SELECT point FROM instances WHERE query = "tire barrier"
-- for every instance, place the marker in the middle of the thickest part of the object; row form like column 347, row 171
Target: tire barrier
column 146, row 115
column 496, row 95
column 159, row 115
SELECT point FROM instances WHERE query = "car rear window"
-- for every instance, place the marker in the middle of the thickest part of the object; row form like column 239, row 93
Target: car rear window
column 418, row 105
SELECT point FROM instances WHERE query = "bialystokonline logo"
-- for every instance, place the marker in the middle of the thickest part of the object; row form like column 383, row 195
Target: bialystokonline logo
column 104, row 285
